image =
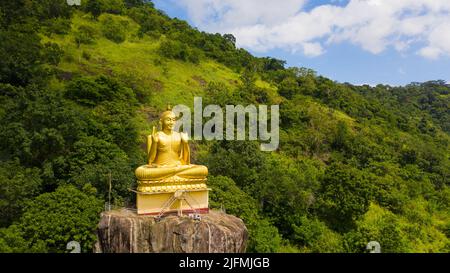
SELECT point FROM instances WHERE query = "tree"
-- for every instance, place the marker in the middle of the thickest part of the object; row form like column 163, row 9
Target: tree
column 285, row 185
column 57, row 25
column 47, row 9
column 94, row 161
column 20, row 57
column 345, row 195
column 12, row 241
column 17, row 186
column 134, row 3
column 94, row 7
column 218, row 93
column 314, row 236
column 263, row 237
column 230, row 38
column 239, row 160
column 91, row 91
column 56, row 218
column 113, row 6
column 38, row 126
column 272, row 64
column 377, row 225
column 342, row 136
column 288, row 87
column 177, row 50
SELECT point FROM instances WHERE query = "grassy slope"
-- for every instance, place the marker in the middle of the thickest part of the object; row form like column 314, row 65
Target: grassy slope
column 136, row 62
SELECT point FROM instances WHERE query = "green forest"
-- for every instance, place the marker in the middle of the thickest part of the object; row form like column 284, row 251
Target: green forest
column 82, row 86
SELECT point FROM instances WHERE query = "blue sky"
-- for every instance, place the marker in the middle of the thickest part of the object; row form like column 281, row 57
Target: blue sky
column 356, row 41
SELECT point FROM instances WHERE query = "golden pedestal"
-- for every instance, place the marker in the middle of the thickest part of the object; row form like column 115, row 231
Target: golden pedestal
column 172, row 195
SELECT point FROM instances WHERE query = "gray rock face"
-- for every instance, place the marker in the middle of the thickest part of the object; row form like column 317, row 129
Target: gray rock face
column 123, row 231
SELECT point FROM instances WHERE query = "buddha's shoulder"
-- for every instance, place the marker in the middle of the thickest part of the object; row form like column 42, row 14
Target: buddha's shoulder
column 175, row 135
column 184, row 137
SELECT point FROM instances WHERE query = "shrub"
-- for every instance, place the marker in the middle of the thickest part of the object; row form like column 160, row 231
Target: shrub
column 52, row 53
column 86, row 55
column 177, row 50
column 84, row 35
column 114, row 28
column 57, row 25
column 92, row 91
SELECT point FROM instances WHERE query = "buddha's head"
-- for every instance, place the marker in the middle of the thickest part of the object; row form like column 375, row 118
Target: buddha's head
column 168, row 120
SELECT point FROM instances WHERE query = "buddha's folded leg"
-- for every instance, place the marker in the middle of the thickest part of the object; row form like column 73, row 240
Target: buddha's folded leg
column 193, row 171
column 149, row 173
column 183, row 171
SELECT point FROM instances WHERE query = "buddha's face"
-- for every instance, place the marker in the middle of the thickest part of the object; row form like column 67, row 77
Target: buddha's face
column 168, row 121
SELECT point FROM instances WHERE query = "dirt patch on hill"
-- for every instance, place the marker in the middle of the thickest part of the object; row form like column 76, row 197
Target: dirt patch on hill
column 202, row 82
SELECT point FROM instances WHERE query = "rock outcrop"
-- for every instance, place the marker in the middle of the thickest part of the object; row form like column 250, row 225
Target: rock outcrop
column 123, row 231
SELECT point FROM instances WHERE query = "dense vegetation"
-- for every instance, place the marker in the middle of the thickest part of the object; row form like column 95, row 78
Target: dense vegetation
column 80, row 87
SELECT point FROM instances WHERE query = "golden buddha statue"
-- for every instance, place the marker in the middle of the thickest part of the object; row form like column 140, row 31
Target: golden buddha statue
column 169, row 155
column 168, row 169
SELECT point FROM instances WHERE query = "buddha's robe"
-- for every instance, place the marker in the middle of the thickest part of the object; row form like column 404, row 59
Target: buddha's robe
column 169, row 158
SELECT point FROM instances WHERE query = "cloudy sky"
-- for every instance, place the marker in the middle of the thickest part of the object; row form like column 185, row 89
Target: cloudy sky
column 358, row 41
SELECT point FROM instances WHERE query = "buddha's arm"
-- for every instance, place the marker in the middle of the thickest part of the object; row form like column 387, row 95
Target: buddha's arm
column 185, row 152
column 152, row 142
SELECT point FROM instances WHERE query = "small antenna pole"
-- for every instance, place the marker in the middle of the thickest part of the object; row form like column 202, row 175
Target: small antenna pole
column 109, row 192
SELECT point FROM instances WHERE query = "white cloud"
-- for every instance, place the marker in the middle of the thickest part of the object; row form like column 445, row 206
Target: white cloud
column 430, row 52
column 224, row 14
column 438, row 41
column 374, row 25
column 312, row 49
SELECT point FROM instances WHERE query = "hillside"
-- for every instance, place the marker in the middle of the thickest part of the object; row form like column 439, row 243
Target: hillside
column 80, row 87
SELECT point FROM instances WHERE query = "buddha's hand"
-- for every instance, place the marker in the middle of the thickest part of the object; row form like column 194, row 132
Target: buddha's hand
column 184, row 137
column 154, row 135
